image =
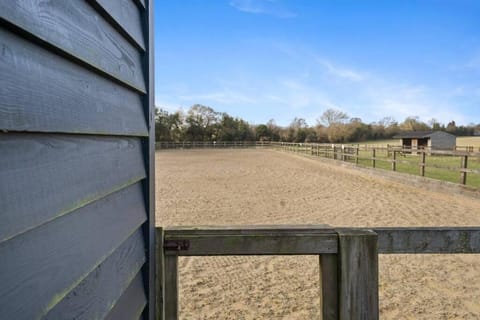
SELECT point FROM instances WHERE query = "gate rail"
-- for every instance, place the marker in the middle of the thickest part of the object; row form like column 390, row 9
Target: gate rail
column 348, row 257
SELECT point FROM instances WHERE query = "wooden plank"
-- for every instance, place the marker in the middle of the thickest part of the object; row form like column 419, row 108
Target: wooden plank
column 253, row 241
column 149, row 157
column 126, row 15
column 429, row 240
column 273, row 229
column 94, row 297
column 42, row 92
column 42, row 266
column 159, row 275
column 45, row 176
column 171, row 287
column 358, row 274
column 140, row 3
column 131, row 303
column 329, row 286
column 76, row 29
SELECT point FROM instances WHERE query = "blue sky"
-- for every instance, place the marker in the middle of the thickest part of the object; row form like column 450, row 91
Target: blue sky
column 264, row 59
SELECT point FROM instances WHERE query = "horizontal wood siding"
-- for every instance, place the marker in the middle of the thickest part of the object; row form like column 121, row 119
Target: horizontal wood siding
column 45, row 176
column 126, row 14
column 94, row 297
column 76, row 159
column 131, row 303
column 42, row 266
column 75, row 28
column 41, row 91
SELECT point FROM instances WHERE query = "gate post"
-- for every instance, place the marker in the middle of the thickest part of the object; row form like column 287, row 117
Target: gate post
column 357, row 274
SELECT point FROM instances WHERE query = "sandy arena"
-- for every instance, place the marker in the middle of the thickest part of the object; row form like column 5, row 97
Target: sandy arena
column 234, row 187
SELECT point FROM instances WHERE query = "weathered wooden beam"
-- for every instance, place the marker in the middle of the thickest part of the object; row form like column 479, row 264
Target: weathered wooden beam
column 171, row 287
column 329, row 286
column 429, row 240
column 254, row 240
column 159, row 275
column 358, row 274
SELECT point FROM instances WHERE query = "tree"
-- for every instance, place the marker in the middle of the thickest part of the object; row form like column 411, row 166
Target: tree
column 332, row 116
column 413, row 124
column 262, row 133
column 201, row 123
column 451, row 127
column 168, row 127
column 434, row 124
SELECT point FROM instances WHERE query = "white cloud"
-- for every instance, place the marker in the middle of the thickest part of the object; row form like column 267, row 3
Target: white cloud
column 226, row 96
column 340, row 72
column 266, row 7
column 401, row 101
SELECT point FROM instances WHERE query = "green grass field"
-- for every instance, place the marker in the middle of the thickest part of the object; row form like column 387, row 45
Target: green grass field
column 437, row 167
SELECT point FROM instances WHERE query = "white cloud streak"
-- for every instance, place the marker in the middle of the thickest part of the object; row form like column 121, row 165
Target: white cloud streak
column 340, row 72
column 265, row 7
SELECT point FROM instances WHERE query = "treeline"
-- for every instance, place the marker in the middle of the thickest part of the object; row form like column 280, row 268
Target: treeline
column 202, row 123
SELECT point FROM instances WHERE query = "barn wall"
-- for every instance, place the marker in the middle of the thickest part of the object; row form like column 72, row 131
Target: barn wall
column 443, row 141
column 76, row 159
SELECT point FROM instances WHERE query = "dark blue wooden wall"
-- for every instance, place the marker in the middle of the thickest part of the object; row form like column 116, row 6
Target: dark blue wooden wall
column 76, row 159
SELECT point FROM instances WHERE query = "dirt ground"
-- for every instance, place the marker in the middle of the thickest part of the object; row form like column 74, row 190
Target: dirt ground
column 234, row 187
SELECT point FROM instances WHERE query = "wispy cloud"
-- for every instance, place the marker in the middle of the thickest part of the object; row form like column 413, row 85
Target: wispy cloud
column 340, row 72
column 266, row 7
column 225, row 97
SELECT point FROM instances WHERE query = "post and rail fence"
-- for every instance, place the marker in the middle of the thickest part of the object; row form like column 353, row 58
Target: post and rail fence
column 348, row 257
column 450, row 165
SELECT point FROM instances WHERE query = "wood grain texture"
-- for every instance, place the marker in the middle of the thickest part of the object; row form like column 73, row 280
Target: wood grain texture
column 254, row 241
column 94, row 297
column 358, row 274
column 131, row 303
column 171, row 288
column 78, row 30
column 329, row 286
column 127, row 15
column 42, row 92
column 159, row 275
column 429, row 240
column 44, row 176
column 41, row 267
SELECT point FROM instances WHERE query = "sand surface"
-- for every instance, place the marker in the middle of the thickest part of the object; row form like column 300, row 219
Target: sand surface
column 234, row 187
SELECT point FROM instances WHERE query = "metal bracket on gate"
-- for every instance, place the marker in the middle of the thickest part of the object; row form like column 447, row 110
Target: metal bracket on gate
column 176, row 245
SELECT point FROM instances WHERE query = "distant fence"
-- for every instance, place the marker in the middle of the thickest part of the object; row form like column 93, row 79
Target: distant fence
column 209, row 144
column 453, row 166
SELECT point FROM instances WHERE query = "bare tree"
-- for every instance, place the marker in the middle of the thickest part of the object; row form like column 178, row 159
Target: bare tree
column 332, row 116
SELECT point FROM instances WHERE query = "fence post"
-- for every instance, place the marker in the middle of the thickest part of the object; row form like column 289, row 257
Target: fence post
column 356, row 154
column 422, row 165
column 394, row 161
column 329, row 286
column 159, row 275
column 358, row 274
column 463, row 173
column 171, row 287
column 334, row 152
column 373, row 158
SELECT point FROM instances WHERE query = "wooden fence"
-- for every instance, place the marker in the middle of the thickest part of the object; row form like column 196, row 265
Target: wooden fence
column 348, row 257
column 209, row 145
column 442, row 162
column 453, row 166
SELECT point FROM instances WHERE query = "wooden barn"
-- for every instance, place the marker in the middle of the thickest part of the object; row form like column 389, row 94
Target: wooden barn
column 432, row 140
column 76, row 160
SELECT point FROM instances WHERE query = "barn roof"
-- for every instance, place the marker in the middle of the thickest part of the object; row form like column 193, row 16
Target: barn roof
column 414, row 135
